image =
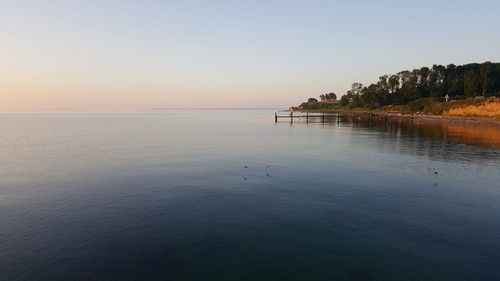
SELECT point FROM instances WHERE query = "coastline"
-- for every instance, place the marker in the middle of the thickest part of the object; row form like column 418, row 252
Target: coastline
column 428, row 118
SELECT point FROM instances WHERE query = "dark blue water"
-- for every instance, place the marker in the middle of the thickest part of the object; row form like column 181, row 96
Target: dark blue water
column 230, row 195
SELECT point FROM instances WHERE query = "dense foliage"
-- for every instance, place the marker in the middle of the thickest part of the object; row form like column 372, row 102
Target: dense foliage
column 329, row 96
column 406, row 86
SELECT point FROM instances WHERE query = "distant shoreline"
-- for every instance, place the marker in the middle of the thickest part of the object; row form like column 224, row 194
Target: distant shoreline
column 217, row 108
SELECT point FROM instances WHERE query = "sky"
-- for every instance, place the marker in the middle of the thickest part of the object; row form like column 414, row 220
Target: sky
column 100, row 55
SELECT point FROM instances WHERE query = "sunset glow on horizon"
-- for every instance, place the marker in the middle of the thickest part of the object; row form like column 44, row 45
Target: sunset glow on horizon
column 140, row 55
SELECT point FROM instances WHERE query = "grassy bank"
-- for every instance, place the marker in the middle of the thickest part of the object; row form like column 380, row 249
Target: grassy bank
column 476, row 108
column 472, row 107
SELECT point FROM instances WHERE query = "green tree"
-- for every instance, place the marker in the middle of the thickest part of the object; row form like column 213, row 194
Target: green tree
column 393, row 83
column 331, row 96
column 356, row 88
column 486, row 79
column 471, row 83
column 344, row 100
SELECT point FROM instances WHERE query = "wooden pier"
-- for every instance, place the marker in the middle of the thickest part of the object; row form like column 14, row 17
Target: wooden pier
column 304, row 115
column 338, row 115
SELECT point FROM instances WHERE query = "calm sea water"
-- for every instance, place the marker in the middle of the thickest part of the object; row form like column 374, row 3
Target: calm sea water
column 230, row 195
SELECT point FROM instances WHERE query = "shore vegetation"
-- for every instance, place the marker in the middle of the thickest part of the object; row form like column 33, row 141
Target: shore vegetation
column 463, row 90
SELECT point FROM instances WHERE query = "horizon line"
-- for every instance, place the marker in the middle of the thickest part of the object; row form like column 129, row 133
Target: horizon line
column 71, row 110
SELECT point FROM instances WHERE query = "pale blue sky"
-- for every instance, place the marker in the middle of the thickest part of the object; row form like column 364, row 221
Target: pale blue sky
column 135, row 55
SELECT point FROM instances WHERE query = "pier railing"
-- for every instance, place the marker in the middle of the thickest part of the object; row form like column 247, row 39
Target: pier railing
column 306, row 115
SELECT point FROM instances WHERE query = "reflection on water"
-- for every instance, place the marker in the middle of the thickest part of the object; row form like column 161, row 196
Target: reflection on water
column 440, row 140
column 436, row 139
column 454, row 131
column 230, row 195
column 488, row 136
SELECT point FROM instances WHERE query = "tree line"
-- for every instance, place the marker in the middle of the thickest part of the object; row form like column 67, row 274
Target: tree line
column 462, row 81
column 329, row 96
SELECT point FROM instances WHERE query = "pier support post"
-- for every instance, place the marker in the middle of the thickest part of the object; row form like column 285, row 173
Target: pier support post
column 275, row 117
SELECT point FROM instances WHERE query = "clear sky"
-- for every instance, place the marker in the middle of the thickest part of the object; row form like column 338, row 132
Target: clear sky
column 136, row 55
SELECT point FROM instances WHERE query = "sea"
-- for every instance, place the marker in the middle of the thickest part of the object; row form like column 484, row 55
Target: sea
column 234, row 195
